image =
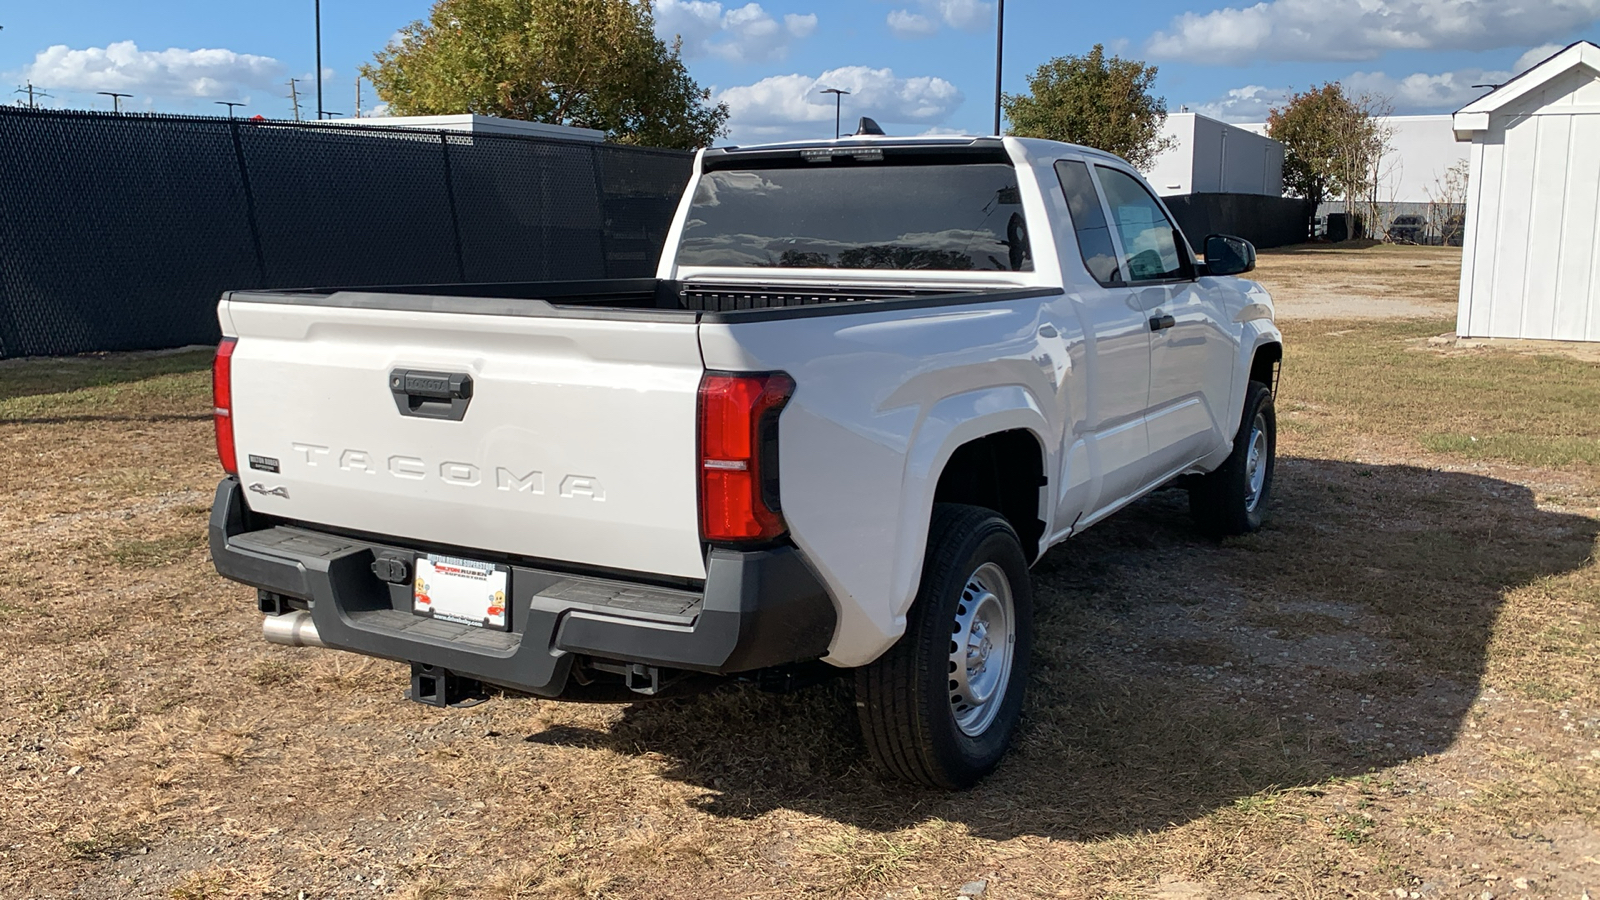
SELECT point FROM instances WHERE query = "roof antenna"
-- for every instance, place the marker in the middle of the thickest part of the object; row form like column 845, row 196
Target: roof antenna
column 867, row 126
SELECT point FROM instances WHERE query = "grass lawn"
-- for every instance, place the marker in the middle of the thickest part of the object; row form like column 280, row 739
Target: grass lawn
column 1390, row 688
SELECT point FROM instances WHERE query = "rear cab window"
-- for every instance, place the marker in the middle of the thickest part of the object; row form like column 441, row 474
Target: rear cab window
column 1089, row 222
column 851, row 213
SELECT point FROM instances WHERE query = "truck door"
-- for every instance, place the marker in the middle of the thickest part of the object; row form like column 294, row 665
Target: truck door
column 1114, row 443
column 1191, row 354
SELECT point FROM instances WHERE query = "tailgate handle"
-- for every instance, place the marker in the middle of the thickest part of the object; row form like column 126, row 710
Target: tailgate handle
column 431, row 395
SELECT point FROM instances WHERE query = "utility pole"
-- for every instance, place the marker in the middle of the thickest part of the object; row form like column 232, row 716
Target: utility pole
column 358, row 96
column 229, row 104
column 838, row 101
column 116, row 100
column 319, row 59
column 32, row 93
column 999, row 56
column 294, row 97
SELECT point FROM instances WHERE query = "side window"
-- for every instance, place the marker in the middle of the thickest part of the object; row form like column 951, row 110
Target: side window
column 1147, row 234
column 1089, row 221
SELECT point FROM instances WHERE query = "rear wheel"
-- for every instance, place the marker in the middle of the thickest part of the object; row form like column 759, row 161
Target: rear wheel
column 1233, row 499
column 940, row 707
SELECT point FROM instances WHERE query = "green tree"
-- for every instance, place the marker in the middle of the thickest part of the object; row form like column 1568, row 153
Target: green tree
column 1093, row 100
column 589, row 63
column 1333, row 145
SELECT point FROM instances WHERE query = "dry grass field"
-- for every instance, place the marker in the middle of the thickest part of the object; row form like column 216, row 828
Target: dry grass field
column 1389, row 692
column 1363, row 280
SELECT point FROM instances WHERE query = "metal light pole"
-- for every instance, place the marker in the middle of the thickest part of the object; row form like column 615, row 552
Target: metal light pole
column 838, row 101
column 229, row 104
column 999, row 56
column 319, row 58
column 116, row 100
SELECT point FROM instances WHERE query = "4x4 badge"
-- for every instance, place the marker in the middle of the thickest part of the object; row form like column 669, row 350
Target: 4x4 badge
column 260, row 488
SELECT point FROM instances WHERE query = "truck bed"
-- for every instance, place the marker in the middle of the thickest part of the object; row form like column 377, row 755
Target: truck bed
column 630, row 297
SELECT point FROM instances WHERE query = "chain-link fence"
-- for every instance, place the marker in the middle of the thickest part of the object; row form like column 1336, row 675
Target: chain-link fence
column 120, row 232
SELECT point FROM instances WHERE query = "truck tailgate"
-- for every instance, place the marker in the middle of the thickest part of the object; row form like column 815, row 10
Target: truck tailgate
column 576, row 441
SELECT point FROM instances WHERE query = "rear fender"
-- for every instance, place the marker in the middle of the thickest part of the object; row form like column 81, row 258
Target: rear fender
column 946, row 426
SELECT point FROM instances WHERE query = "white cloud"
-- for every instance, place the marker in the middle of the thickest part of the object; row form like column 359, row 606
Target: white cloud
column 1535, row 56
column 1424, row 92
column 785, row 107
column 1415, row 94
column 904, row 23
column 742, row 34
column 122, row 66
column 1246, row 104
column 1318, row 29
column 965, row 15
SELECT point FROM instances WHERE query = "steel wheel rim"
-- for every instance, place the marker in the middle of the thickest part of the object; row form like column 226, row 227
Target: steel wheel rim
column 1255, row 466
column 982, row 647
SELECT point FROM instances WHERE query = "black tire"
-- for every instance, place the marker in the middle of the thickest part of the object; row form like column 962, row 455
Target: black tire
column 1226, row 502
column 906, row 700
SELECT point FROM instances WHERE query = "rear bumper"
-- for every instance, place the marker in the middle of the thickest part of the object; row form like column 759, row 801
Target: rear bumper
column 758, row 609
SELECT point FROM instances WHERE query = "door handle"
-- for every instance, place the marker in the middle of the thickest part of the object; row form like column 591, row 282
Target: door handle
column 1158, row 323
column 431, row 395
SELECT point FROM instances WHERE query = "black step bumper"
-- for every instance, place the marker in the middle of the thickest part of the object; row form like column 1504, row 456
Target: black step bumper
column 758, row 609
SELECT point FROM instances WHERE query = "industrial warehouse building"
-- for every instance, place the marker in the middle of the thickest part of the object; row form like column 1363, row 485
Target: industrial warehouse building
column 1211, row 157
column 1219, row 178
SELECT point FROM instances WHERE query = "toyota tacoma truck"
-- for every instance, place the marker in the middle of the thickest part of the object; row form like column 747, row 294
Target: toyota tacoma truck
column 872, row 382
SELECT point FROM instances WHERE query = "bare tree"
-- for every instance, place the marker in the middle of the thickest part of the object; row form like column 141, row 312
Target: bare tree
column 1447, row 204
column 1370, row 140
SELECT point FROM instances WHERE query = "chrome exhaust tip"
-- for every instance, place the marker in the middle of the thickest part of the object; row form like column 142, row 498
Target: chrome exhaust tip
column 292, row 629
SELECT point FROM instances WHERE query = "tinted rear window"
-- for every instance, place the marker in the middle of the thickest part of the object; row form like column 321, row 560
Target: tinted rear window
column 943, row 217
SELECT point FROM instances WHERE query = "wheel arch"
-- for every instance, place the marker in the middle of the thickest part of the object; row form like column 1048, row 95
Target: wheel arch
column 956, row 422
column 1001, row 471
column 1266, row 363
column 1260, row 351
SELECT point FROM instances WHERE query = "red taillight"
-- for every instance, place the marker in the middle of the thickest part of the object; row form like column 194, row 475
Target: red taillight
column 222, row 404
column 739, row 455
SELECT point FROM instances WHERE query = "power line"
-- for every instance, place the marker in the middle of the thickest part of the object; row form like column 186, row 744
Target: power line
column 32, row 92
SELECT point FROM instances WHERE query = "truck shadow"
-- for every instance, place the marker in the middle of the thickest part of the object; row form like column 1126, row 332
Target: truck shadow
column 1174, row 675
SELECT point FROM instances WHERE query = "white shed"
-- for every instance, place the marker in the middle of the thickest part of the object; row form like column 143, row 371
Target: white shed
column 1531, row 259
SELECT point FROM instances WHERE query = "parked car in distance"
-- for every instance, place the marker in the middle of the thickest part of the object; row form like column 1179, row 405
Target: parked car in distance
column 874, row 380
column 1408, row 230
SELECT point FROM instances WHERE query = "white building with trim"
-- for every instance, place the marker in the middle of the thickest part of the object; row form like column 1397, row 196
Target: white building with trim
column 1531, row 257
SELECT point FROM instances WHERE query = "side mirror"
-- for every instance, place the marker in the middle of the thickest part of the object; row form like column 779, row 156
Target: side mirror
column 1229, row 255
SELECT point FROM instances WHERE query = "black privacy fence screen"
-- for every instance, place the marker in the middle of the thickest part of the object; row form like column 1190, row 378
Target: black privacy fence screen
column 120, row 232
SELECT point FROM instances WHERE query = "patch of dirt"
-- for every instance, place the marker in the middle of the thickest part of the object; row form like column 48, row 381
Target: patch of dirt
column 1361, row 281
column 1452, row 344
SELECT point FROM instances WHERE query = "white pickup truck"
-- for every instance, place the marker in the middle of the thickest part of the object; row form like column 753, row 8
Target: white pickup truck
column 873, row 381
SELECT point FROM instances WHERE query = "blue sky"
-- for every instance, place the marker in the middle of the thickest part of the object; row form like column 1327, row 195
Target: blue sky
column 915, row 65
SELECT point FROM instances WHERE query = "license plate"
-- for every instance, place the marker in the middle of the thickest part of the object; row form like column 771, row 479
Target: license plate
column 461, row 590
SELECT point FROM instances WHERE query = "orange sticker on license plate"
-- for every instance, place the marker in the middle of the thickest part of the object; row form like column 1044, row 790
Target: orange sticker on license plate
column 461, row 590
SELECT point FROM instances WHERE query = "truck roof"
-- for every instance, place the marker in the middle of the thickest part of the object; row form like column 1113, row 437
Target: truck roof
column 1030, row 146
